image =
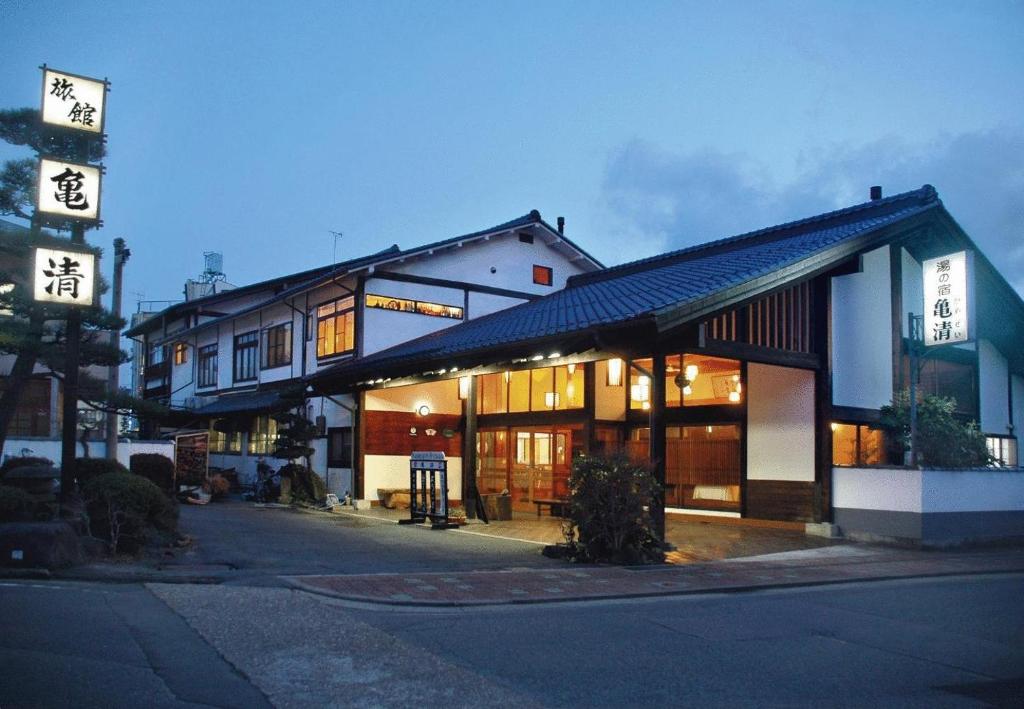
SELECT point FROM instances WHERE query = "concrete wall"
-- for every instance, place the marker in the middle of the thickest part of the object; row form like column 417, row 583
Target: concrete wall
column 386, row 328
column 930, row 507
column 780, row 423
column 862, row 334
column 1018, row 406
column 50, row 448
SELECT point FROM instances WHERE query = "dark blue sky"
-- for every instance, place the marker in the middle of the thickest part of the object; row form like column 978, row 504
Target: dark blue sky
column 255, row 129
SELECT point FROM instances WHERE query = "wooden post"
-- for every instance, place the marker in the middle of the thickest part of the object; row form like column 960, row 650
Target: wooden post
column 469, row 489
column 657, row 442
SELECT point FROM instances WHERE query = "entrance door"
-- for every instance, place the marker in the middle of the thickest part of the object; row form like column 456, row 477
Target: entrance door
column 538, row 460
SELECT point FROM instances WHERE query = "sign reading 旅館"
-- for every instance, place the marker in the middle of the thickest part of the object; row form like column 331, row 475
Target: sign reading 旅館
column 72, row 101
column 948, row 292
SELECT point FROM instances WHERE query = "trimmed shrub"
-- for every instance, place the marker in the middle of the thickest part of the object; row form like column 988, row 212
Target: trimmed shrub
column 128, row 510
column 16, row 505
column 23, row 461
column 87, row 469
column 158, row 469
column 307, row 486
column 609, row 518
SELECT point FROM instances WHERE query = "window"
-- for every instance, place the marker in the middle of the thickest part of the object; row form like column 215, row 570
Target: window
column 857, row 444
column 224, row 438
column 207, row 364
column 690, row 380
column 277, row 346
column 420, row 307
column 262, row 435
column 542, row 275
column 180, row 353
column 339, row 447
column 246, row 348
column 335, row 327
column 540, row 389
column 1003, row 449
column 157, row 355
column 32, row 414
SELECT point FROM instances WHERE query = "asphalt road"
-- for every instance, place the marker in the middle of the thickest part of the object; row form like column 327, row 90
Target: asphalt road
column 929, row 642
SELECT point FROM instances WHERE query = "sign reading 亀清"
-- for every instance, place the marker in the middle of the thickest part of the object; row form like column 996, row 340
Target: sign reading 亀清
column 65, row 277
column 69, row 190
column 948, row 295
column 72, row 101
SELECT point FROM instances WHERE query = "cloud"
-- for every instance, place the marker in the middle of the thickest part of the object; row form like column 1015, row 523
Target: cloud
column 660, row 201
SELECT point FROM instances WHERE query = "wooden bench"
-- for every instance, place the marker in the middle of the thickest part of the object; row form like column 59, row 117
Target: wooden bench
column 556, row 507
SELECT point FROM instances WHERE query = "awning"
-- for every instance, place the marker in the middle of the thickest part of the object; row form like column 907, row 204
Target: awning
column 253, row 402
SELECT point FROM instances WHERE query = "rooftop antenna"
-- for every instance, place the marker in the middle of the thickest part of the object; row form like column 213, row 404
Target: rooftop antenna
column 337, row 235
column 214, row 271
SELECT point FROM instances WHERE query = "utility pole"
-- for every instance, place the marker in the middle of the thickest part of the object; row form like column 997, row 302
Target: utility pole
column 121, row 254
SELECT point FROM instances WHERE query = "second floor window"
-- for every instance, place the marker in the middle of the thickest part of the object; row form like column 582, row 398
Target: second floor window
column 206, row 363
column 246, row 347
column 335, row 327
column 277, row 346
column 180, row 353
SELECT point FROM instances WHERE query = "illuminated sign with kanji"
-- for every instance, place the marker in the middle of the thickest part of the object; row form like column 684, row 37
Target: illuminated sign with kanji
column 948, row 292
column 72, row 101
column 64, row 277
column 69, row 190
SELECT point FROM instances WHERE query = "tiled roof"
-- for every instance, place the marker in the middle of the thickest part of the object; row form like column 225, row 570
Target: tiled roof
column 246, row 402
column 655, row 289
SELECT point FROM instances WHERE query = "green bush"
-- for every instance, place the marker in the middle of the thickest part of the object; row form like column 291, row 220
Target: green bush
column 158, row 469
column 943, row 439
column 128, row 510
column 87, row 469
column 609, row 511
column 16, row 505
column 307, row 486
column 22, row 461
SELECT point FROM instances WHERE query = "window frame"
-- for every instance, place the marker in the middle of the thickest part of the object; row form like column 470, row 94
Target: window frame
column 340, row 462
column 350, row 310
column 542, row 273
column 250, row 350
column 860, row 458
column 180, row 353
column 267, row 348
column 206, row 355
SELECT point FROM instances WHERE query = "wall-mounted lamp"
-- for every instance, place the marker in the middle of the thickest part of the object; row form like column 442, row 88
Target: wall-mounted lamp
column 551, row 399
column 422, row 410
column 464, row 383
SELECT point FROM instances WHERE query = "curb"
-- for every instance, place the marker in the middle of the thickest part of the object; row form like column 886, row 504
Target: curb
column 736, row 589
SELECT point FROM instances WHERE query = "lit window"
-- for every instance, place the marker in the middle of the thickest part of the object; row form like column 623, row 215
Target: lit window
column 855, row 444
column 1003, row 449
column 543, row 275
column 335, row 327
column 420, row 307
column 277, row 346
column 180, row 353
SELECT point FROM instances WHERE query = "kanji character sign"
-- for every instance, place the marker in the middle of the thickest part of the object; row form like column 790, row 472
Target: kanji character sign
column 72, row 101
column 65, row 277
column 69, row 189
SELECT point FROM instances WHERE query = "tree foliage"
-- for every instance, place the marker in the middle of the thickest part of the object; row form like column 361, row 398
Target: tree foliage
column 943, row 439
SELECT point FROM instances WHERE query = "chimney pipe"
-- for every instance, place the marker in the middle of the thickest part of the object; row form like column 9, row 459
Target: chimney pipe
column 876, row 192
column 561, row 225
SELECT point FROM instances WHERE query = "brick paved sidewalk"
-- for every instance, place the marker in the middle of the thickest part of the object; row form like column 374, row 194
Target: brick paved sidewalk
column 800, row 568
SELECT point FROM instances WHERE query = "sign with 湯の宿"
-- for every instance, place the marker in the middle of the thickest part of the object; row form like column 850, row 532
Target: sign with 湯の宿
column 948, row 295
column 64, row 277
column 72, row 101
column 69, row 190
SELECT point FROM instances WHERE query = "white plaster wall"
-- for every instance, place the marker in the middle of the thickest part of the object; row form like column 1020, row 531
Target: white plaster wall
column 442, row 397
column 609, row 402
column 50, row 448
column 862, row 334
column 487, row 303
column 993, row 378
column 780, row 423
column 385, row 328
column 392, row 472
column 1018, row 406
column 511, row 259
column 913, row 289
column 906, row 490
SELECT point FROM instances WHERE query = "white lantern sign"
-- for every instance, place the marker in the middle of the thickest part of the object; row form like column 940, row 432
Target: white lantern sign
column 72, row 101
column 64, row 277
column 948, row 298
column 69, row 190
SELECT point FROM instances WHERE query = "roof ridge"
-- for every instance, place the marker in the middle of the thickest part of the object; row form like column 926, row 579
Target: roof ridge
column 925, row 194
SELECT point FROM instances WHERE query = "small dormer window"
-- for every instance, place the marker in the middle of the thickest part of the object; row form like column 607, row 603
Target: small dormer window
column 525, row 237
column 542, row 275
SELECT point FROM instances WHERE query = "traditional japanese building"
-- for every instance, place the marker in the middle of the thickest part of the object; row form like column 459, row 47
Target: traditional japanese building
column 745, row 370
column 229, row 361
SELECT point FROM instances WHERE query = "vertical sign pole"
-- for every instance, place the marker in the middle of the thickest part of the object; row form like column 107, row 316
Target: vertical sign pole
column 913, row 321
